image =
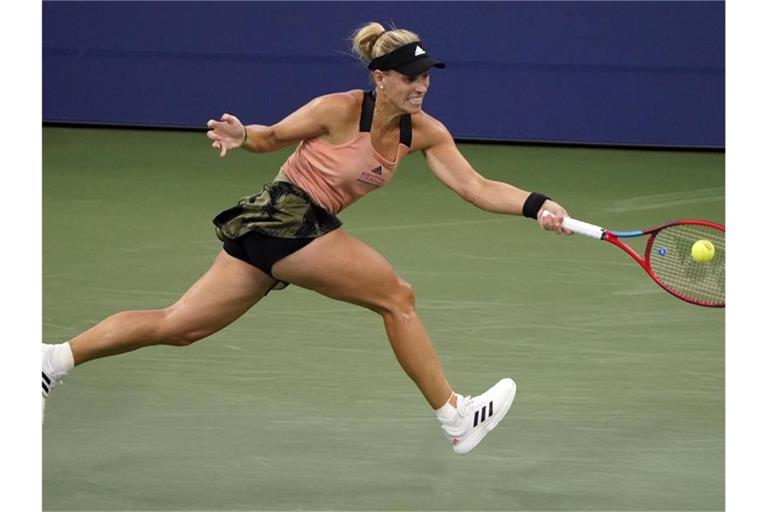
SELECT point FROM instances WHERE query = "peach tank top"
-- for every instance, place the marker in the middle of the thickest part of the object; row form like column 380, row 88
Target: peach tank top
column 335, row 176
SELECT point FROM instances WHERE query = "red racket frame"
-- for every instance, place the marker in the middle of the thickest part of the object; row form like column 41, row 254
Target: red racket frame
column 614, row 237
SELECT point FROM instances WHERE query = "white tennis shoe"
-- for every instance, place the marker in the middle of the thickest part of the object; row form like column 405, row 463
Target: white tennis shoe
column 476, row 417
column 50, row 376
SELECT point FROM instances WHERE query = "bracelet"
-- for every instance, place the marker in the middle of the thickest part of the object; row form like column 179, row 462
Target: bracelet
column 533, row 204
column 245, row 136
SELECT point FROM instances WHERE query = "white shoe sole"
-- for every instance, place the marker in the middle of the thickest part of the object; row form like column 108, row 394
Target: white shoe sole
column 479, row 434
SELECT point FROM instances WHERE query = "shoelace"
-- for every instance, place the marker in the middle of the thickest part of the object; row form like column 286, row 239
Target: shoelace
column 462, row 405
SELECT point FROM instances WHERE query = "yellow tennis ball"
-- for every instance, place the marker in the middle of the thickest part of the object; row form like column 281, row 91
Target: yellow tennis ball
column 703, row 251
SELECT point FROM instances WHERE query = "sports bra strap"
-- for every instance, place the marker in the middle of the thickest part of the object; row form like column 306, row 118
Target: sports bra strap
column 405, row 129
column 366, row 118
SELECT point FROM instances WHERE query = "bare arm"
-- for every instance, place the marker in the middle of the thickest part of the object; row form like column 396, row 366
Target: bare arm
column 307, row 122
column 450, row 167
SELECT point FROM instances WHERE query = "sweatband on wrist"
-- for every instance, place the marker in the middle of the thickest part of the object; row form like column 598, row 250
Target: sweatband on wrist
column 245, row 137
column 533, row 204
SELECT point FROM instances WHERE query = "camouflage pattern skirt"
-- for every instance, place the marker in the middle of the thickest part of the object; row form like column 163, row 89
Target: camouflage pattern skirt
column 280, row 210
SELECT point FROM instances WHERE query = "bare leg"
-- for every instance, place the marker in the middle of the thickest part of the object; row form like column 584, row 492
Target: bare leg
column 229, row 289
column 344, row 268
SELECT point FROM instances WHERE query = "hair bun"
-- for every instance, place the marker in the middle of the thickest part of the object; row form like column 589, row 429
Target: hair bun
column 365, row 37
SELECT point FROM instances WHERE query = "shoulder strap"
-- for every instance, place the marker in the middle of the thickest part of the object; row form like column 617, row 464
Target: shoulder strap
column 405, row 129
column 366, row 118
column 366, row 115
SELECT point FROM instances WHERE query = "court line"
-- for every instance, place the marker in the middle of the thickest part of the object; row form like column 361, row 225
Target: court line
column 667, row 200
column 58, row 326
column 399, row 227
column 133, row 292
column 559, row 260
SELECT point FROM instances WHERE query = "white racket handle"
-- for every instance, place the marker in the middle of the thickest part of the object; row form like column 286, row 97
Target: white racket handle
column 583, row 228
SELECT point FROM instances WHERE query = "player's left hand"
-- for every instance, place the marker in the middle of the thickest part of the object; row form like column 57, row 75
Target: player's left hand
column 551, row 217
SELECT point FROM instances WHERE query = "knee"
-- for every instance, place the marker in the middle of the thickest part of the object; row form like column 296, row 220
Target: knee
column 400, row 300
column 177, row 332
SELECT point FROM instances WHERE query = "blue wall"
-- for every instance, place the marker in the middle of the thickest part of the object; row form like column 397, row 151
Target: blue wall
column 647, row 73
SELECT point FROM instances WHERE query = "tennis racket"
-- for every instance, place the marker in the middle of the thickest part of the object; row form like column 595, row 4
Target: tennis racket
column 667, row 257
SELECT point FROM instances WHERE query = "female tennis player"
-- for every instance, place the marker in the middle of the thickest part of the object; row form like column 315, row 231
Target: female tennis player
column 349, row 144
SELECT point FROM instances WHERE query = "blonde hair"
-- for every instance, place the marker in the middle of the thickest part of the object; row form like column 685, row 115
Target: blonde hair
column 373, row 40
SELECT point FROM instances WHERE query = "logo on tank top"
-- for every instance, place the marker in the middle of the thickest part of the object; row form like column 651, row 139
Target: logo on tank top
column 373, row 177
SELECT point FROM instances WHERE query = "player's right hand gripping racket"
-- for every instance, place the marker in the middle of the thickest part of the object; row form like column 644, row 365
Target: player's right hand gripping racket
column 668, row 259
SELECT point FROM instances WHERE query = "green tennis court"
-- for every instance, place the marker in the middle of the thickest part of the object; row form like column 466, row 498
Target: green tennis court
column 301, row 405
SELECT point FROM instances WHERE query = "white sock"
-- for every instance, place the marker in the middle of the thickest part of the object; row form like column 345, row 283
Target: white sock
column 446, row 413
column 61, row 359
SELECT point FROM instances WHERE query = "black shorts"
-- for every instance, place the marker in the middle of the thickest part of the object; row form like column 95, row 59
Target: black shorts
column 266, row 227
column 263, row 251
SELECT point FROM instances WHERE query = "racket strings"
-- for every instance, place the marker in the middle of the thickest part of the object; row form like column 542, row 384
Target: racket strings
column 670, row 259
